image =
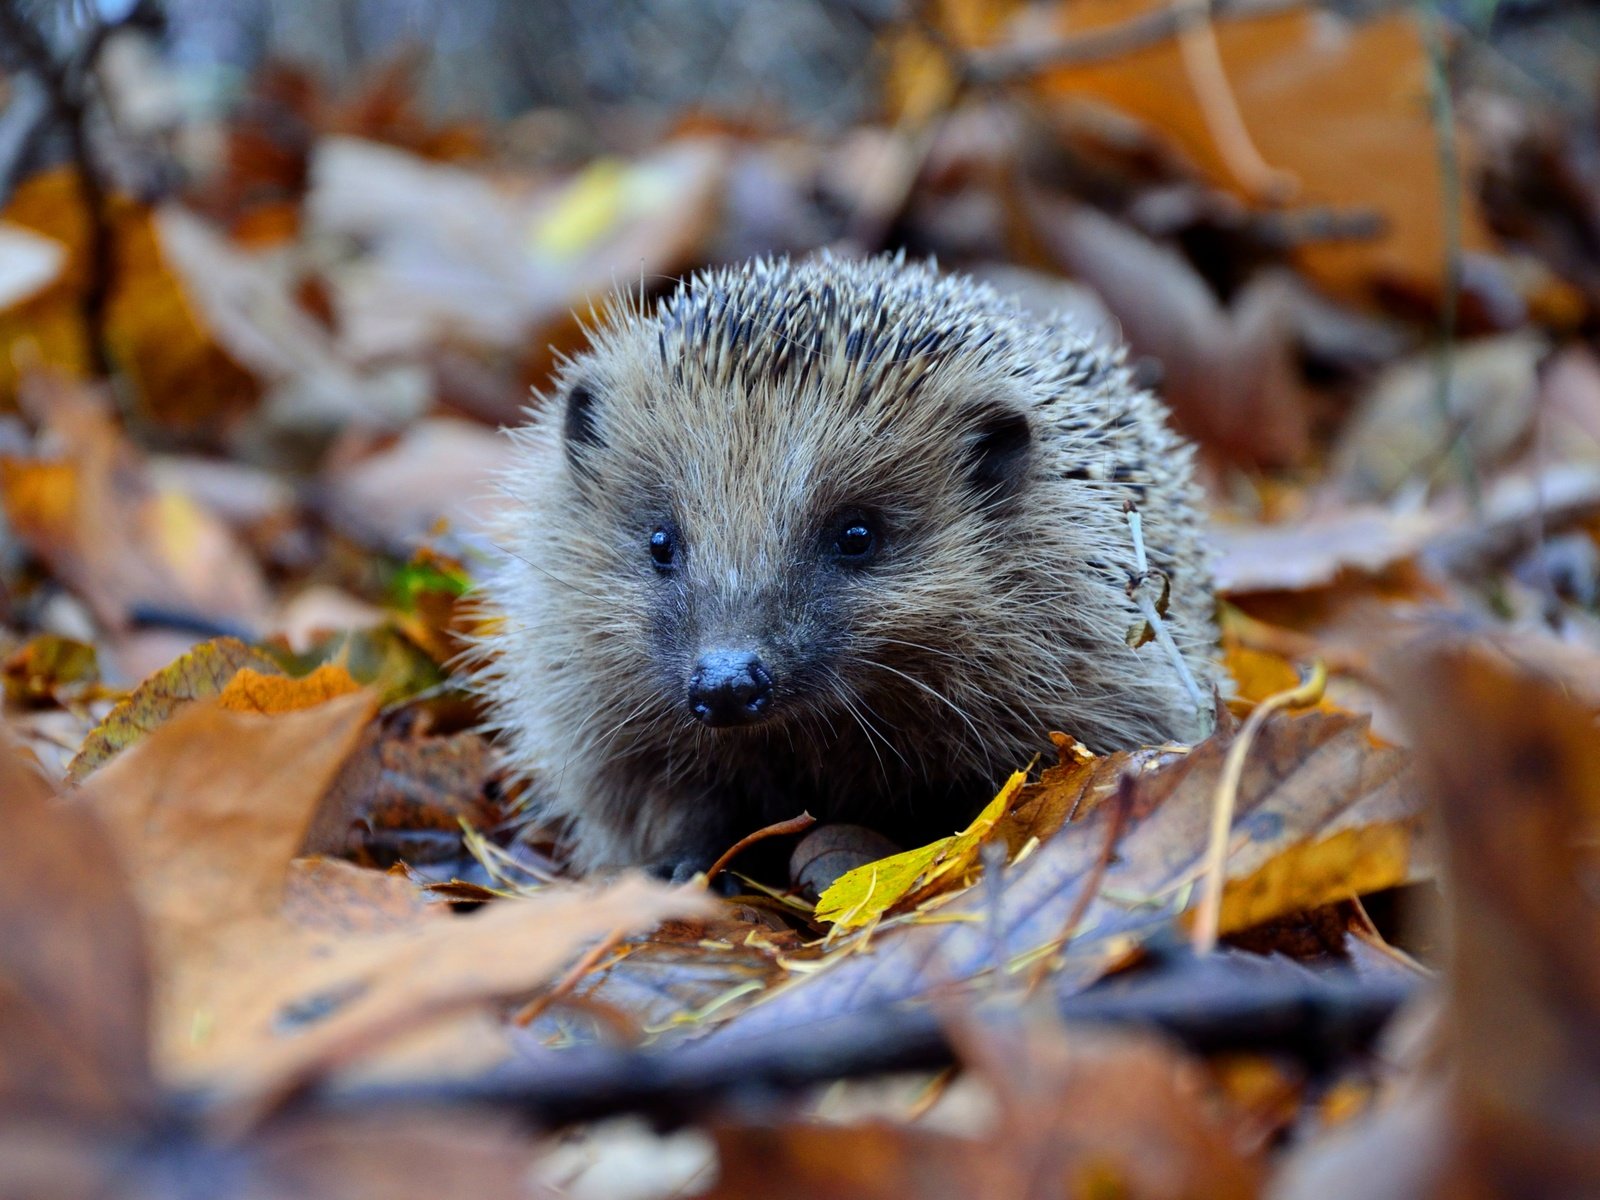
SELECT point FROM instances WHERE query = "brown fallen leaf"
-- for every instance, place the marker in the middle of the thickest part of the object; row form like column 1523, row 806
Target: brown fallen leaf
column 1072, row 789
column 1513, row 763
column 393, row 983
column 1401, row 433
column 74, row 1005
column 1503, row 1103
column 454, row 257
column 1327, row 547
column 81, row 1115
column 87, row 505
column 1080, row 1114
column 1229, row 373
column 440, row 469
column 866, row 1161
column 404, row 797
column 1313, row 552
column 209, row 810
column 1333, row 102
column 1084, row 1111
column 314, row 389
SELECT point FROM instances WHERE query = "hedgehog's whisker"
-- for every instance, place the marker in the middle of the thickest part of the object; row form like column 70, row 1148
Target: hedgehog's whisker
column 843, row 694
column 866, row 728
column 958, row 659
column 935, row 693
column 604, row 740
column 548, row 574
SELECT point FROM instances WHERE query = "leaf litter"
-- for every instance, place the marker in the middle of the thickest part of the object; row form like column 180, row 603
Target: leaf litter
column 295, row 439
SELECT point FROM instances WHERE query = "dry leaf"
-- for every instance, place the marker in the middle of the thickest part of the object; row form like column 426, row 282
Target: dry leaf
column 441, row 469
column 1081, row 1114
column 1229, row 374
column 82, row 1117
column 180, row 374
column 1314, row 788
column 1514, row 766
column 270, row 692
column 1405, row 432
column 1313, row 552
column 206, row 812
column 203, row 672
column 862, row 896
column 49, row 669
column 405, row 798
column 1335, row 103
column 89, row 508
column 1086, row 1112
column 392, row 983
column 73, row 1008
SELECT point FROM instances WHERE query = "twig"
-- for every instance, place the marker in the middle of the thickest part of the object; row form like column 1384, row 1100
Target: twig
column 530, row 1011
column 1202, row 61
column 1244, row 1004
column 1004, row 63
column 793, row 825
column 1208, row 915
column 66, row 82
column 1152, row 616
column 1444, row 127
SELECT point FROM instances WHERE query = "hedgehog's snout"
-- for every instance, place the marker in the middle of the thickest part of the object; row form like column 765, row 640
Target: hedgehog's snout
column 730, row 687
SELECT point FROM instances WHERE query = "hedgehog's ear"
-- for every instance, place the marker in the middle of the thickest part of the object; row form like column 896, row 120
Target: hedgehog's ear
column 580, row 423
column 999, row 448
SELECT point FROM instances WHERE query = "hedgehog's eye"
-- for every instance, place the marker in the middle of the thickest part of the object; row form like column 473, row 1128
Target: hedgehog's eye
column 664, row 547
column 855, row 541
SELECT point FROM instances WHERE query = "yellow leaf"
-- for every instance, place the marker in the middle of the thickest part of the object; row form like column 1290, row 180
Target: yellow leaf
column 585, row 213
column 1350, row 863
column 1256, row 673
column 861, row 896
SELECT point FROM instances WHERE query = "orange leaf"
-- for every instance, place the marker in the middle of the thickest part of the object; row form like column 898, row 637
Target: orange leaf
column 182, row 376
column 252, row 691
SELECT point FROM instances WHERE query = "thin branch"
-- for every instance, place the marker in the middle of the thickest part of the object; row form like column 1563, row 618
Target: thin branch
column 67, row 83
column 1001, row 64
column 1219, row 106
column 1208, row 916
column 1226, row 1002
column 1451, row 200
column 778, row 829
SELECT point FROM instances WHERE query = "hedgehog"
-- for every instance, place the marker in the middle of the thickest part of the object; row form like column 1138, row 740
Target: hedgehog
column 848, row 537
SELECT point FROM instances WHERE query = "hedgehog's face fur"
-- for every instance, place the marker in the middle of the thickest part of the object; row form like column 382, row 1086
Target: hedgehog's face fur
column 771, row 540
column 780, row 594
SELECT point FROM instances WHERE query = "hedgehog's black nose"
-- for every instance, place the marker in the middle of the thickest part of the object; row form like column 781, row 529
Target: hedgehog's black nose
column 729, row 687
